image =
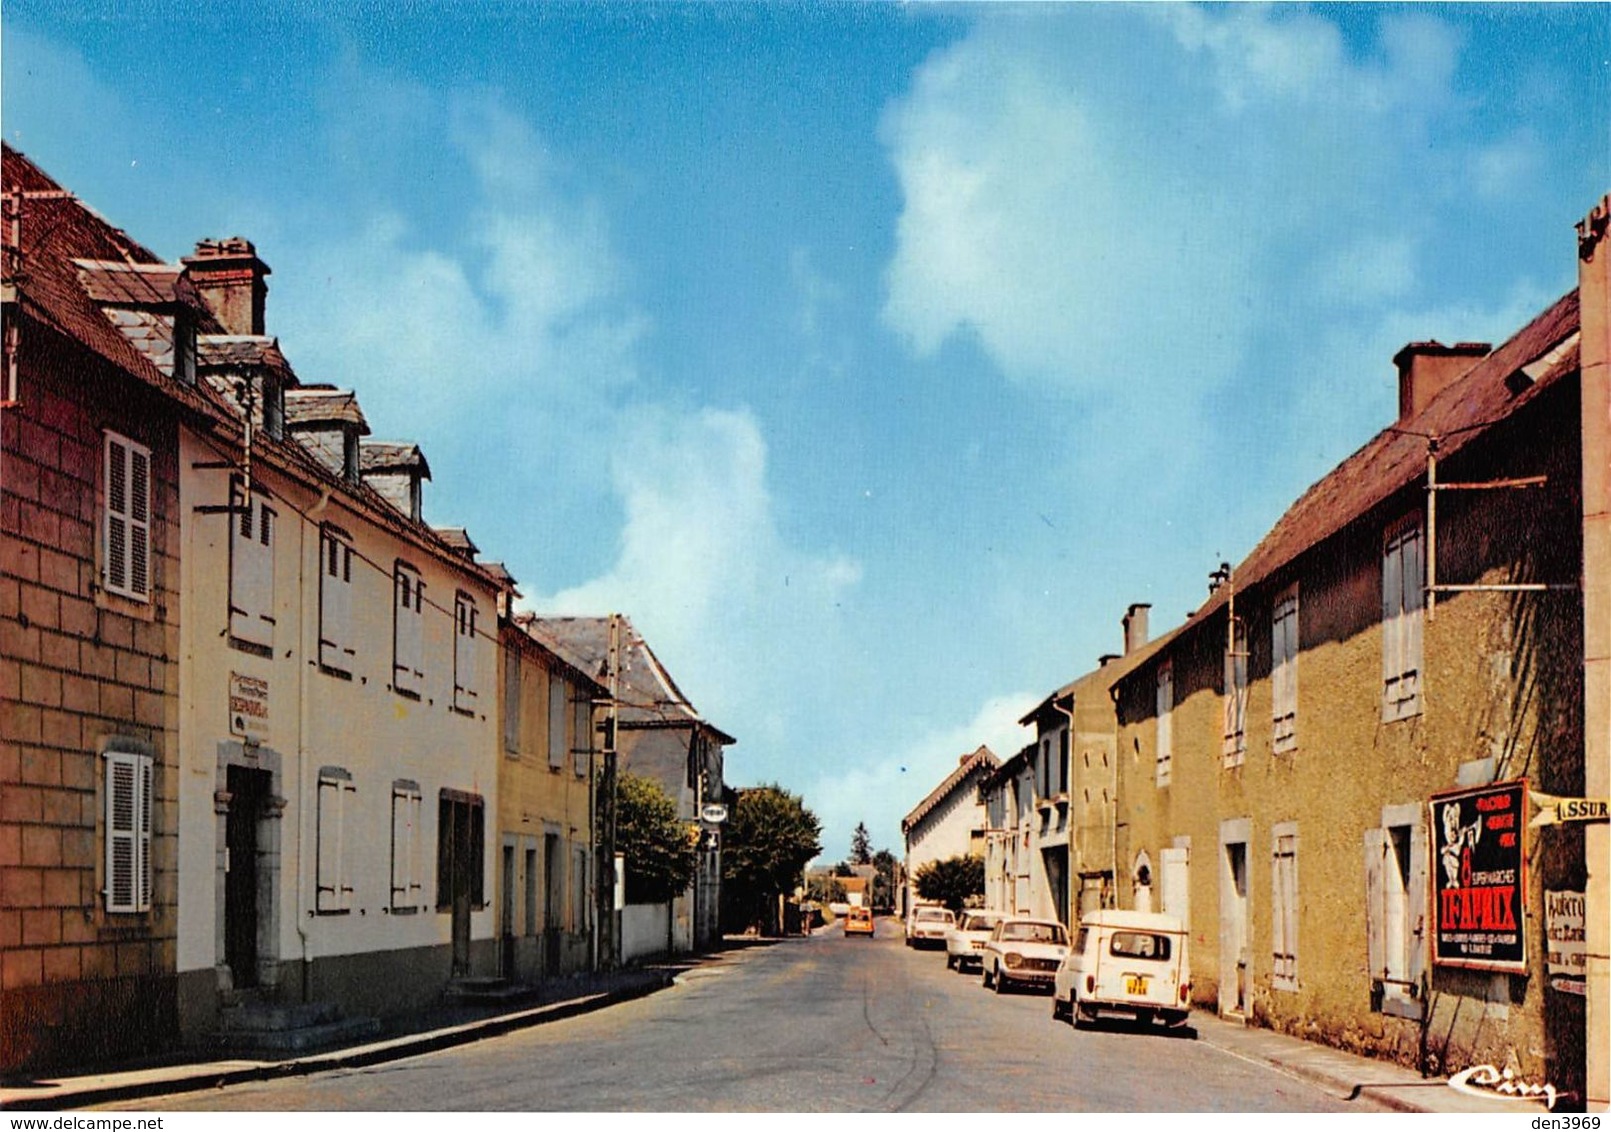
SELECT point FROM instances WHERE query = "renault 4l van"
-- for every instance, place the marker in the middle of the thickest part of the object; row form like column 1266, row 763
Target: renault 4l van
column 1125, row 964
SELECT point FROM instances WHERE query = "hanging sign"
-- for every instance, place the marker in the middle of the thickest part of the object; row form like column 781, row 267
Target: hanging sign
column 1554, row 811
column 1565, row 935
column 1480, row 853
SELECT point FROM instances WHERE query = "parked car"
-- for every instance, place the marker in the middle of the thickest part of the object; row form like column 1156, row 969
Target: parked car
column 859, row 921
column 1022, row 952
column 927, row 925
column 965, row 943
column 1130, row 964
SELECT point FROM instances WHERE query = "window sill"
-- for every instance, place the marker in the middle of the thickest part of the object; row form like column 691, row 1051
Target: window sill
column 127, row 606
column 406, row 693
column 336, row 672
column 251, row 647
column 331, row 912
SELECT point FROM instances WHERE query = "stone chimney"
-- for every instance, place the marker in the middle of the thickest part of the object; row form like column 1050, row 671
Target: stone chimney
column 231, row 281
column 1135, row 626
column 1425, row 369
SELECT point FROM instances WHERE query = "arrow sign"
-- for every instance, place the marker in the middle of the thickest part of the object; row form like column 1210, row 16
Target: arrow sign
column 1553, row 810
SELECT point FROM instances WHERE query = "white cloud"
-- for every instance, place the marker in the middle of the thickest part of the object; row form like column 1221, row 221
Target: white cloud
column 885, row 786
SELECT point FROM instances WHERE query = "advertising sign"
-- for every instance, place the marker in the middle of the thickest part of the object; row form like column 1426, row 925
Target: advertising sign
column 248, row 706
column 1479, row 854
column 1564, row 932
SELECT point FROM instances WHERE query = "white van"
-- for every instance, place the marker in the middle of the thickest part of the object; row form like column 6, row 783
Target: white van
column 1130, row 964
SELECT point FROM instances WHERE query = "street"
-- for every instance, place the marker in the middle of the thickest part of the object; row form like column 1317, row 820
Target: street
column 819, row 1024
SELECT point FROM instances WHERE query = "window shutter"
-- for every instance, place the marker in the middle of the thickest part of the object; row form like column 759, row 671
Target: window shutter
column 556, row 721
column 1418, row 896
column 1413, row 580
column 581, row 727
column 1376, row 847
column 251, row 602
column 511, row 701
column 127, row 526
column 142, row 842
column 1392, row 598
column 334, row 887
column 464, row 653
column 408, row 660
column 335, row 605
column 1285, row 910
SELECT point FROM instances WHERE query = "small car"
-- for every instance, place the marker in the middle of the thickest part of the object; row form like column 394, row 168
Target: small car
column 965, row 943
column 1129, row 964
column 1022, row 952
column 927, row 925
column 859, row 921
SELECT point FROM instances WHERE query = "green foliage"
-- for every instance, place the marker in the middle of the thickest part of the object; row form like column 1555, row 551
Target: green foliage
column 825, row 890
column 660, row 853
column 768, row 839
column 951, row 881
column 884, row 885
column 861, row 845
column 843, row 869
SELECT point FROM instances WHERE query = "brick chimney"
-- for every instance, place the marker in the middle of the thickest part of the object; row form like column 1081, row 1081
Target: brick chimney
column 231, row 281
column 1135, row 626
column 1425, row 369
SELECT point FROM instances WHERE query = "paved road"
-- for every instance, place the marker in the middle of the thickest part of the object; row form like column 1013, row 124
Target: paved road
column 821, row 1024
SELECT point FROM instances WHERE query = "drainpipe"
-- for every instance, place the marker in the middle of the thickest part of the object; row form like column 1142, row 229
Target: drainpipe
column 312, row 518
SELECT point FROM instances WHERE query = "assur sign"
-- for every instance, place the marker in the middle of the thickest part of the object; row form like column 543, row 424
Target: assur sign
column 248, row 706
column 1565, row 935
column 1480, row 854
column 1554, row 811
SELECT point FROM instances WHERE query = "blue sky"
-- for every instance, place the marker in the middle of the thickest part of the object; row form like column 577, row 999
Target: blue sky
column 872, row 358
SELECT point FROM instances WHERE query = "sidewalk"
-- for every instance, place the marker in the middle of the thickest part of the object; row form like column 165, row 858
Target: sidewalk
column 1347, row 1076
column 438, row 1028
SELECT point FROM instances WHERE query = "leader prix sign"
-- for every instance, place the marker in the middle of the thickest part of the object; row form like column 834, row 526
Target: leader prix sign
column 1479, row 856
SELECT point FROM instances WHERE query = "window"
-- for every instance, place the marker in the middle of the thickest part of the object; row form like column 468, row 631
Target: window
column 335, row 602
column 582, row 729
column 578, row 888
column 333, row 884
column 1043, row 768
column 408, row 630
column 556, row 721
column 1284, row 670
column 126, row 522
column 460, row 849
column 1395, row 910
column 1403, row 572
column 465, row 616
column 406, row 814
column 1235, row 707
column 531, row 887
column 128, row 831
column 1284, row 906
column 1165, row 705
column 511, row 702
column 1062, row 761
column 251, row 570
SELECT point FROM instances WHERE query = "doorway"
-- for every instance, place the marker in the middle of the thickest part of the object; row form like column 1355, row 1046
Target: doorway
column 506, row 911
column 248, row 790
column 553, row 901
column 1234, row 960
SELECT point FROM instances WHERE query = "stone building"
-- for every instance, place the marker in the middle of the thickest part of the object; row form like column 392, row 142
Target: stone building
column 1305, row 763
column 98, row 374
column 950, row 821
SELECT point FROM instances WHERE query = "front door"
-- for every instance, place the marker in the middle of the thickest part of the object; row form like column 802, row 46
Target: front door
column 506, row 912
column 553, row 902
column 248, row 789
column 1234, row 958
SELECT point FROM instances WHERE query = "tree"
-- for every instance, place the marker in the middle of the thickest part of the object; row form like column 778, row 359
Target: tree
column 951, row 881
column 884, row 885
column 861, row 845
column 843, row 869
column 768, row 839
column 660, row 853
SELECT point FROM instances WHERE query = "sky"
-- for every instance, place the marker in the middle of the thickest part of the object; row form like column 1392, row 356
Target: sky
column 873, row 358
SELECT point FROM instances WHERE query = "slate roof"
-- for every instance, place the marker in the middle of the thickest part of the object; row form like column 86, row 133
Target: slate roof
column 225, row 351
column 1494, row 389
column 649, row 696
column 981, row 759
column 57, row 230
column 382, row 456
column 457, row 540
column 123, row 284
column 323, row 404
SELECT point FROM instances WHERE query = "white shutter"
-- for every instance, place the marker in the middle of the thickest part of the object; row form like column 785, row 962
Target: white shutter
column 1284, row 917
column 406, row 810
column 1418, row 899
column 126, row 530
column 1376, row 847
column 334, row 887
column 335, row 604
column 128, row 831
column 251, row 579
column 1165, row 706
column 556, row 721
column 1413, row 580
column 1174, row 881
column 511, row 700
column 408, row 661
column 464, row 653
column 1392, row 610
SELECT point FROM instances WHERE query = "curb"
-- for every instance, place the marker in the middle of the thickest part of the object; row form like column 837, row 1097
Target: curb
column 355, row 1057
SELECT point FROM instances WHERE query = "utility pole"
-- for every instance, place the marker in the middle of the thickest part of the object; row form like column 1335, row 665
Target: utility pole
column 609, row 898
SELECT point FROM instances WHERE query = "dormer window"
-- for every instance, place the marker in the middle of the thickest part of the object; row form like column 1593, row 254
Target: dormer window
column 273, row 407
column 184, row 349
column 349, row 455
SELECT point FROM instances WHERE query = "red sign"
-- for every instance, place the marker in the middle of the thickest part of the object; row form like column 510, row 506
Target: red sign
column 1480, row 861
